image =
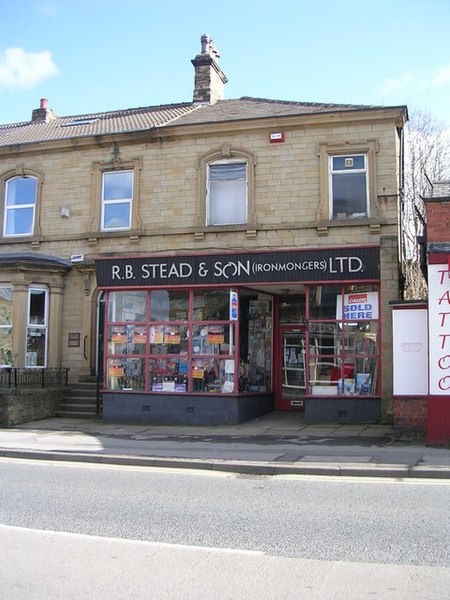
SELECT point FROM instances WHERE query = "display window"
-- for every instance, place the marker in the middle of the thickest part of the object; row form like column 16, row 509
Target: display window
column 342, row 340
column 181, row 341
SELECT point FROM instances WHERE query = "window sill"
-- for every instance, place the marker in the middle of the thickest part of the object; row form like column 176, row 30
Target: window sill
column 132, row 234
column 373, row 224
column 34, row 240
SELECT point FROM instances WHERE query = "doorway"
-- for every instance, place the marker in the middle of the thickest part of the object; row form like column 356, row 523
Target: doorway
column 292, row 368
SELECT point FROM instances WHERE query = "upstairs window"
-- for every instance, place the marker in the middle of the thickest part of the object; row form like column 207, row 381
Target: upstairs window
column 117, row 198
column 348, row 186
column 227, row 202
column 20, row 206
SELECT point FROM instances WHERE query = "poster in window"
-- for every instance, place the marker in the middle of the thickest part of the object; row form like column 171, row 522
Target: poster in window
column 140, row 335
column 349, row 387
column 358, row 306
column 363, row 383
column 115, row 370
column 160, row 366
column 156, row 335
column 215, row 334
column 172, row 336
column 198, row 370
column 118, row 335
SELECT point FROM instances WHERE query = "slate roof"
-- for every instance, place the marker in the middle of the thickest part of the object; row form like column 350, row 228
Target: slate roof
column 258, row 108
column 145, row 118
column 118, row 121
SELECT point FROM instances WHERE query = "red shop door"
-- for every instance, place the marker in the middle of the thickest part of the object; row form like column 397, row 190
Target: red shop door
column 292, row 369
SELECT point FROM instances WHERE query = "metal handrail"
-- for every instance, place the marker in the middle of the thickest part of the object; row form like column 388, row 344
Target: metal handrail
column 15, row 377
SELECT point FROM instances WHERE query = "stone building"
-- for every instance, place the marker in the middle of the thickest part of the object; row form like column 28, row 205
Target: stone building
column 209, row 260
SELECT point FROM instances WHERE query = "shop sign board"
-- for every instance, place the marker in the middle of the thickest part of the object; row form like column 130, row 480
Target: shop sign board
column 439, row 328
column 410, row 351
column 343, row 264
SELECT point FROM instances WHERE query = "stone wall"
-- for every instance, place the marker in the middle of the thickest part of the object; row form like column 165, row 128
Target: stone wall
column 24, row 405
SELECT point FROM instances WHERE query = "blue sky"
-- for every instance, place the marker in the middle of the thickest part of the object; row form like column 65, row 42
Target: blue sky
column 98, row 55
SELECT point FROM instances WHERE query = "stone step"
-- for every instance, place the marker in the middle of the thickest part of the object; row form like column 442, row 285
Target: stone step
column 75, row 415
column 79, row 394
column 78, row 401
column 73, row 406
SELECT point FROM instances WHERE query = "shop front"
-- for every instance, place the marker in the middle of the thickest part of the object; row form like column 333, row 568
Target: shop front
column 217, row 339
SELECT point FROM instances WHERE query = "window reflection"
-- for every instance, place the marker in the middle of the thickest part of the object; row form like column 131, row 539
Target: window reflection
column 127, row 306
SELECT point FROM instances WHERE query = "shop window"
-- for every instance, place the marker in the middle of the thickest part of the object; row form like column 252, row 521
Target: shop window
column 20, row 206
column 256, row 333
column 188, row 342
column 169, row 305
column 211, row 305
column 348, row 187
column 125, row 373
column 227, row 176
column 169, row 339
column 343, row 341
column 127, row 306
column 6, row 325
column 36, row 344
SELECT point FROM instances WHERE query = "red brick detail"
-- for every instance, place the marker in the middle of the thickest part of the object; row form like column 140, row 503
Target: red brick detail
column 410, row 417
column 438, row 221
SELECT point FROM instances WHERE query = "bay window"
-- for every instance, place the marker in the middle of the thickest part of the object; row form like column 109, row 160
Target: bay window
column 36, row 340
column 6, row 325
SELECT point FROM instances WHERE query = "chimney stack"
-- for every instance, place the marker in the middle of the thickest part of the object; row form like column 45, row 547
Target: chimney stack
column 209, row 78
column 43, row 114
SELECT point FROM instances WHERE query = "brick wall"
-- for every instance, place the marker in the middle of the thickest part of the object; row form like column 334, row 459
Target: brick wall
column 410, row 418
column 438, row 220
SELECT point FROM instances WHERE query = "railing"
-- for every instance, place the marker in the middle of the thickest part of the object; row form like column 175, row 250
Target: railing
column 13, row 377
column 99, row 380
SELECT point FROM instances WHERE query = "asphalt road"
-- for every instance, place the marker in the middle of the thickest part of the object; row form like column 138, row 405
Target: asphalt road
column 331, row 538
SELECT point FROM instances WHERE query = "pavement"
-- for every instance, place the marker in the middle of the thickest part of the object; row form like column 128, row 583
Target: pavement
column 273, row 444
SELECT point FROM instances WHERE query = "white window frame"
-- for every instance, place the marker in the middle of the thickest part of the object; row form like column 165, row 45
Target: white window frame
column 8, row 210
column 209, row 194
column 7, row 326
column 40, row 326
column 105, row 202
column 332, row 172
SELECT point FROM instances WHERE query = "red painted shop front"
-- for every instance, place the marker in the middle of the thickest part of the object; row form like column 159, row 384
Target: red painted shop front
column 222, row 338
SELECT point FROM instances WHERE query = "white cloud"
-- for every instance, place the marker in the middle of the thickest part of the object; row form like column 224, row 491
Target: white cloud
column 417, row 81
column 403, row 82
column 441, row 76
column 21, row 69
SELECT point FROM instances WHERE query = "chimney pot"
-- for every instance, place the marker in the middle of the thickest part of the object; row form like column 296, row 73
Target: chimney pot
column 43, row 114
